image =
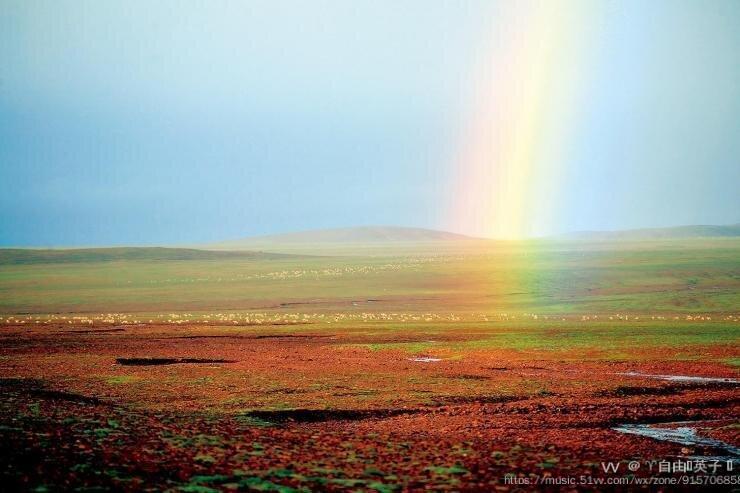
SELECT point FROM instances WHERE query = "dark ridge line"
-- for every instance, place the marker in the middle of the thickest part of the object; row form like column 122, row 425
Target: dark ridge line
column 93, row 331
column 636, row 390
column 251, row 337
column 36, row 388
column 465, row 377
column 167, row 361
column 324, row 415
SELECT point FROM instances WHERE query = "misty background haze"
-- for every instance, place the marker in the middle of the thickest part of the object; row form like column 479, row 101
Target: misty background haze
column 165, row 122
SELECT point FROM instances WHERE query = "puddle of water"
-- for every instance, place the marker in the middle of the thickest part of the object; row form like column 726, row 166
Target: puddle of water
column 682, row 435
column 425, row 359
column 681, row 378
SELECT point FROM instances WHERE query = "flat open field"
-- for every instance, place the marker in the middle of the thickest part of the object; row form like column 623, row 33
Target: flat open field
column 397, row 369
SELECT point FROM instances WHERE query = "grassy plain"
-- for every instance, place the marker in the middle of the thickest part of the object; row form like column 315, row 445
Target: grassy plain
column 700, row 276
column 374, row 369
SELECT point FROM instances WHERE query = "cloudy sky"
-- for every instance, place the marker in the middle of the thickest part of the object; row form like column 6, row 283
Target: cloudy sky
column 165, row 122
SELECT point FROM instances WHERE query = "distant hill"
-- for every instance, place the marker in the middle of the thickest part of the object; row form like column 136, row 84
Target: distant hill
column 358, row 235
column 660, row 233
column 371, row 240
column 78, row 255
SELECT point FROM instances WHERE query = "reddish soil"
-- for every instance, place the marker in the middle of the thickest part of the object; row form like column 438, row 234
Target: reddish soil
column 194, row 409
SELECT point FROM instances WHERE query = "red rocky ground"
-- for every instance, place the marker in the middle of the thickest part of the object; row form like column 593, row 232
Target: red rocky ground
column 282, row 409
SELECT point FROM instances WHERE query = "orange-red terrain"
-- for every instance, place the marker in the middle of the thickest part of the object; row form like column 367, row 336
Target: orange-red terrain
column 361, row 407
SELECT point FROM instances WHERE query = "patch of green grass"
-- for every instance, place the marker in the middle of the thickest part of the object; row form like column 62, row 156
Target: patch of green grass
column 409, row 347
column 121, row 380
column 197, row 488
column 204, row 458
column 608, row 337
column 446, row 471
column 251, row 421
column 34, row 409
column 261, row 484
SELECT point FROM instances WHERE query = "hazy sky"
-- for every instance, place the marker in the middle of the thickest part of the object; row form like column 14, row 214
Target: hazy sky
column 163, row 122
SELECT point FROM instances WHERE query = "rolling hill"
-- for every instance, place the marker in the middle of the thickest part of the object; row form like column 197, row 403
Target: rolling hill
column 338, row 236
column 677, row 232
column 371, row 240
column 10, row 256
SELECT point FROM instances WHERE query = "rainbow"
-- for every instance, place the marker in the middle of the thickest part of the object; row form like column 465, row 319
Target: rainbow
column 526, row 101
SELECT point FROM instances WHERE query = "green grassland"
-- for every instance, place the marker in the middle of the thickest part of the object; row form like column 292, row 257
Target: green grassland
column 655, row 277
column 348, row 359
